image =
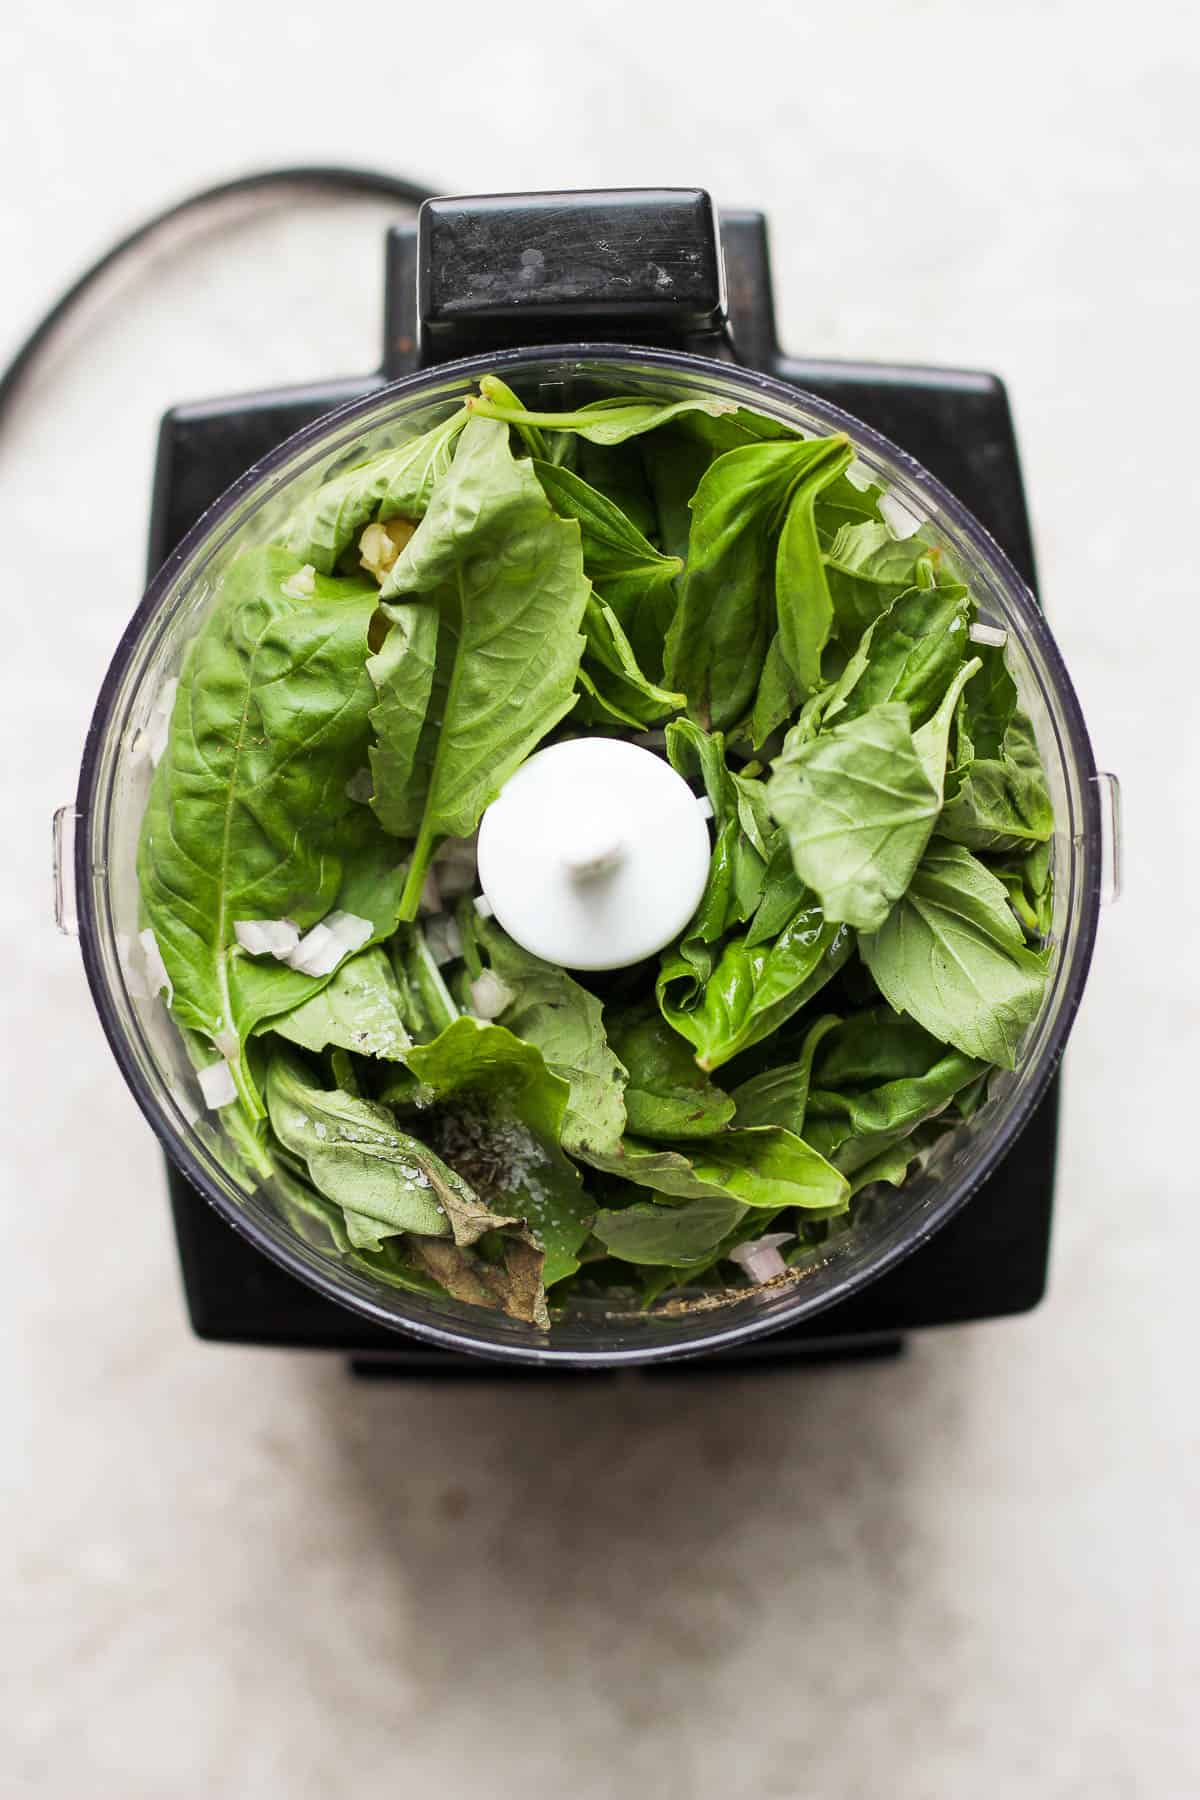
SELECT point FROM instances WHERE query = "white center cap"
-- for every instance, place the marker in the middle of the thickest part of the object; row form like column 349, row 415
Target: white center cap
column 595, row 854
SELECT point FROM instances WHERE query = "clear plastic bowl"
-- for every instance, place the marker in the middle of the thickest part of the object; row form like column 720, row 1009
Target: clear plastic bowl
column 112, row 794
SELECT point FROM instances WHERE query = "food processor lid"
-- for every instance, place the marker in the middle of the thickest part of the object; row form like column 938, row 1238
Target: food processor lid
column 595, row 854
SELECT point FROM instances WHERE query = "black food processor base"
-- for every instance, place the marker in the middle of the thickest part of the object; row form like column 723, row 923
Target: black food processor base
column 990, row 1259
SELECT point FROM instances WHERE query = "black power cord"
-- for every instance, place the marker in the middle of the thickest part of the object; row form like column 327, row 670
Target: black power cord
column 315, row 179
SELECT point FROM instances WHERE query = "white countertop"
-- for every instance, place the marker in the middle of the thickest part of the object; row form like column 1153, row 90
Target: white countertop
column 972, row 1572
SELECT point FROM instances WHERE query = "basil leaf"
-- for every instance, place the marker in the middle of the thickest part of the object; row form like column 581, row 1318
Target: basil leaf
column 361, row 1009
column 720, row 633
column 858, row 807
column 951, row 954
column 357, row 1156
column 736, row 869
column 853, row 1129
column 565, row 1023
column 613, row 420
column 675, row 462
column 248, row 815
column 667, row 1095
column 426, row 1002
column 780, row 1096
column 867, row 569
column 403, row 672
column 507, row 576
column 1003, row 803
column 916, row 648
column 500, row 1118
column 628, row 573
column 1029, row 883
column 754, row 989
column 802, row 601
column 876, row 1046
column 397, row 484
column 618, row 472
column 987, row 708
column 761, row 1166
column 612, row 678
column 668, row 1235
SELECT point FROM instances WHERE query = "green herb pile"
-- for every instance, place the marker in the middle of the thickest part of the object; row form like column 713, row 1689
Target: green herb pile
column 441, row 1106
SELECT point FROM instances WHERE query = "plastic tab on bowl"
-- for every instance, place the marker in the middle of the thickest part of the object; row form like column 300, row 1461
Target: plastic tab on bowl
column 1110, row 832
column 63, row 853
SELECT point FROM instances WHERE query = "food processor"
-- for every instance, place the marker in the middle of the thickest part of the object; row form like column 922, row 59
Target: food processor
column 567, row 297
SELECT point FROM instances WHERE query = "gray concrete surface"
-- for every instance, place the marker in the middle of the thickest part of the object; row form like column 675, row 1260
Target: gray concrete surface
column 970, row 1573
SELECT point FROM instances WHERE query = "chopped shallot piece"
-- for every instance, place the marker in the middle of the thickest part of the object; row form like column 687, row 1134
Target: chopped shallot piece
column 302, row 585
column 156, row 969
column 217, row 1085
column 760, row 1257
column 490, row 996
column 444, row 939
column 896, row 516
column 995, row 635
column 318, row 953
column 267, row 937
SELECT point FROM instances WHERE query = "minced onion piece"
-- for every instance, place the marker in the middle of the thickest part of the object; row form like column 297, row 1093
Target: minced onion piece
column 490, row 996
column 320, row 950
column 859, row 476
column 896, row 516
column 229, row 1044
column 267, row 937
column 760, row 1257
column 705, row 806
column 217, row 1085
column 994, row 635
column 302, row 585
column 444, row 939
column 318, row 953
column 129, row 955
column 156, row 969
column 483, row 906
column 151, row 740
column 351, row 928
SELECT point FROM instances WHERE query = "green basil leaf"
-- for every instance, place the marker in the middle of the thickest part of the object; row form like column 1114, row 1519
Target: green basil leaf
column 876, row 1046
column 248, row 815
column 916, row 648
column 858, row 807
column 629, row 575
column 803, row 605
column 396, row 484
column 403, row 672
column 753, row 990
column 667, row 1095
column 507, row 576
column 668, row 1235
column 867, row 569
column 361, row 1009
column 780, row 1096
column 721, row 630
column 499, row 1121
column 853, row 1129
column 1003, row 803
column 356, row 1155
column 613, row 420
column 565, row 1023
column 613, row 679
column 762, row 1166
column 1029, row 883
column 951, row 954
